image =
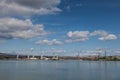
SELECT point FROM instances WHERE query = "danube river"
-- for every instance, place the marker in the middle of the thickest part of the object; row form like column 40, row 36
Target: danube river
column 59, row 70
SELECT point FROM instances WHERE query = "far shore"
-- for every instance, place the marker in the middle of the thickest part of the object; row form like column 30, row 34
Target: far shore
column 4, row 56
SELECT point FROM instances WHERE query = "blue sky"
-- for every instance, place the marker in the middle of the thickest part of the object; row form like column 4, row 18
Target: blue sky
column 60, row 24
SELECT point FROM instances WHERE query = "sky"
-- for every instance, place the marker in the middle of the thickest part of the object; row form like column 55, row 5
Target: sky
column 61, row 25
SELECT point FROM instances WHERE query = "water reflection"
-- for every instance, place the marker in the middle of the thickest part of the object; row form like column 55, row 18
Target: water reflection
column 59, row 70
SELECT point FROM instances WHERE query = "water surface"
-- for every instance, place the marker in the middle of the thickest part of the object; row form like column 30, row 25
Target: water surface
column 59, row 70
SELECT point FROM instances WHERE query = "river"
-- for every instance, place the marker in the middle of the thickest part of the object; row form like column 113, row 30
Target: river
column 59, row 70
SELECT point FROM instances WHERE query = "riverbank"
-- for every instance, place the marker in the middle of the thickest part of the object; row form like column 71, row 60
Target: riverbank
column 4, row 56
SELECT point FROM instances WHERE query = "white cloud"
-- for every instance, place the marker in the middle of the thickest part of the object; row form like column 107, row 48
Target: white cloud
column 68, row 41
column 47, row 42
column 99, row 33
column 28, row 7
column 14, row 28
column 77, row 36
column 104, row 36
column 54, row 50
column 108, row 37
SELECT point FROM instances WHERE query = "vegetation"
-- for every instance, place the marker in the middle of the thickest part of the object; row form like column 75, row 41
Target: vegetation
column 90, row 58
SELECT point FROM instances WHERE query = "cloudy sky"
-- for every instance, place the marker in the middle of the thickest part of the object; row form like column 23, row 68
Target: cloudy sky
column 59, row 24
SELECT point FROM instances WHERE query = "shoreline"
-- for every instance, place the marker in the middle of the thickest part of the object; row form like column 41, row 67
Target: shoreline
column 83, row 58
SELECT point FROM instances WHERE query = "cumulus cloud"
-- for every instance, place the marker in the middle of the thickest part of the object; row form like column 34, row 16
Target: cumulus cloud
column 99, row 33
column 28, row 7
column 108, row 37
column 104, row 36
column 23, row 29
column 77, row 36
column 48, row 42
